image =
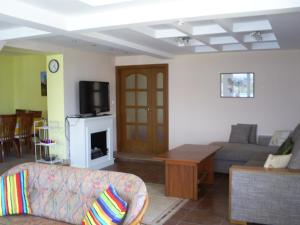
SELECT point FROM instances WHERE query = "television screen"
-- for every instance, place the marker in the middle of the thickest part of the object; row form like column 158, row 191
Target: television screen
column 93, row 97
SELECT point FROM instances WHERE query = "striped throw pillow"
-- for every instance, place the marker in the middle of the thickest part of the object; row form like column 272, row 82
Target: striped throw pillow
column 13, row 194
column 108, row 209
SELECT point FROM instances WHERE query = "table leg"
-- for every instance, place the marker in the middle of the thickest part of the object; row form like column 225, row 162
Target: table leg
column 207, row 167
column 181, row 179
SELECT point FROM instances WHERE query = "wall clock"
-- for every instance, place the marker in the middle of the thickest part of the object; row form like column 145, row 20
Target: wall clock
column 53, row 65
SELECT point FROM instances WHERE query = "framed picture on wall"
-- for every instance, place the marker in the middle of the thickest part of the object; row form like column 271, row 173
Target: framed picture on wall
column 43, row 77
column 237, row 85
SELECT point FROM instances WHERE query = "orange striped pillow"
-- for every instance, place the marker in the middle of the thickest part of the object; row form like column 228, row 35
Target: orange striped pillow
column 14, row 195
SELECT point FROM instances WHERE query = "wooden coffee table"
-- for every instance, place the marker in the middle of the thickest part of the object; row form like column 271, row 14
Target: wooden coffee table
column 186, row 167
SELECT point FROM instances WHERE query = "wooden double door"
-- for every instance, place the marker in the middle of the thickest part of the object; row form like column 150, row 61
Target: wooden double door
column 142, row 108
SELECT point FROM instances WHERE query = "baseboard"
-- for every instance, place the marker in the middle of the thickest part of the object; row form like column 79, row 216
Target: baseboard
column 238, row 222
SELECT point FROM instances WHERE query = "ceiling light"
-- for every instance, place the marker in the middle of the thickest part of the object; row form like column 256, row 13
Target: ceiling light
column 103, row 2
column 256, row 35
column 265, row 37
column 182, row 41
column 180, row 22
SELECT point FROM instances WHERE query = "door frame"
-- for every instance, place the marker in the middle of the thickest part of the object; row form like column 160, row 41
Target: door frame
column 118, row 103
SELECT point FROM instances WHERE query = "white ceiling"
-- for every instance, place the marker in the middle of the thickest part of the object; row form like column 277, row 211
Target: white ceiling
column 76, row 7
column 154, row 27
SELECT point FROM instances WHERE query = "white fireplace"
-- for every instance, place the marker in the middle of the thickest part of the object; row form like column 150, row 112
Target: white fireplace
column 91, row 142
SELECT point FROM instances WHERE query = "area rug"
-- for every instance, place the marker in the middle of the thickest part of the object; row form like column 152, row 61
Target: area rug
column 161, row 208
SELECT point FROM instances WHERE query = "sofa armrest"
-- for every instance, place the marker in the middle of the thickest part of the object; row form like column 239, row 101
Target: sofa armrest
column 267, row 196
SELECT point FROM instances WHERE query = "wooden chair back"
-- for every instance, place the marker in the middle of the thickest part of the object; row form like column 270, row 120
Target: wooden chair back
column 7, row 127
column 36, row 114
column 25, row 125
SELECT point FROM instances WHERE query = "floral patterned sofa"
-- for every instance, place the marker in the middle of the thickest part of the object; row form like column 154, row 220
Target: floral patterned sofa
column 61, row 195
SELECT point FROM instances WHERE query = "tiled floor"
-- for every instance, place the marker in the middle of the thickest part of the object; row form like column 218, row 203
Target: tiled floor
column 210, row 209
column 11, row 160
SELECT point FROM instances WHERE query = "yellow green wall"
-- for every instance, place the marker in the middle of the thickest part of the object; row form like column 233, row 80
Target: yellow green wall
column 27, row 82
column 20, row 83
column 20, row 89
column 56, row 109
column 6, row 85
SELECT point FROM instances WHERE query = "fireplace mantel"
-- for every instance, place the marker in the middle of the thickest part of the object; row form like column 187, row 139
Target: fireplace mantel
column 81, row 130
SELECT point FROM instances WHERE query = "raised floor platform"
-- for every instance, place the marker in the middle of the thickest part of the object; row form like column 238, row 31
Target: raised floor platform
column 135, row 157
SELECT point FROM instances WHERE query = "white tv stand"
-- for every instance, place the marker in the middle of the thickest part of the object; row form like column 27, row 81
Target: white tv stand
column 89, row 139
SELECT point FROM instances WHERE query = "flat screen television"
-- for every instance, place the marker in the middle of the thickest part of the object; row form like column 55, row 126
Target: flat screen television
column 93, row 97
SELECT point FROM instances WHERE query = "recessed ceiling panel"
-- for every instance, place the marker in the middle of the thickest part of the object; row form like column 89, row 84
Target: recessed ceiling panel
column 201, row 49
column 251, row 26
column 222, row 40
column 234, row 47
column 208, row 29
column 194, row 42
column 265, row 45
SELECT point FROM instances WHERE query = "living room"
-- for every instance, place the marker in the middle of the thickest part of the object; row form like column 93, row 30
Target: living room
column 91, row 46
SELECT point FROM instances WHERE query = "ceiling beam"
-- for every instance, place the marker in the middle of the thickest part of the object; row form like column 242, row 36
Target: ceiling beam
column 152, row 12
column 185, row 28
column 24, row 14
column 2, row 44
column 122, row 44
column 20, row 33
column 145, row 30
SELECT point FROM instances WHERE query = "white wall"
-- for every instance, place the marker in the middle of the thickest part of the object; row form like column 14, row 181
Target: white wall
column 197, row 114
column 79, row 65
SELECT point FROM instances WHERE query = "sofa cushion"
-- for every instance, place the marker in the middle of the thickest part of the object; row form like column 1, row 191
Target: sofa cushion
column 14, row 194
column 241, row 152
column 261, row 156
column 239, row 134
column 295, row 160
column 279, row 137
column 296, row 133
column 286, row 147
column 109, row 208
column 252, row 139
column 277, row 161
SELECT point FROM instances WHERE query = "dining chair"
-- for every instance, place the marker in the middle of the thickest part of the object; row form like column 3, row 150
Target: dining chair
column 24, row 133
column 37, row 119
column 36, row 113
column 7, row 132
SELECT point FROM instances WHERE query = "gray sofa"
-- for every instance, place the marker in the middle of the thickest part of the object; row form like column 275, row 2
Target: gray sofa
column 242, row 154
column 267, row 196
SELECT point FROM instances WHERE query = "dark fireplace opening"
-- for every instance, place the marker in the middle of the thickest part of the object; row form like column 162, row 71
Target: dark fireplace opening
column 98, row 145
